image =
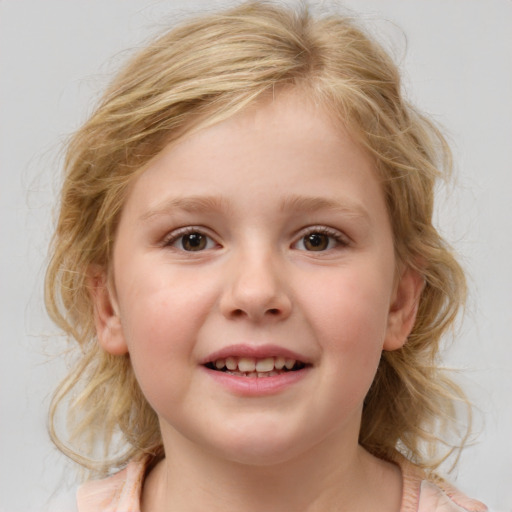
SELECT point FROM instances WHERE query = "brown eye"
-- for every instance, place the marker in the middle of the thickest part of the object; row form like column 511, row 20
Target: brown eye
column 316, row 242
column 194, row 242
column 190, row 239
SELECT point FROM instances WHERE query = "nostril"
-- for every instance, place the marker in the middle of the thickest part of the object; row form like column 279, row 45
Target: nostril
column 271, row 311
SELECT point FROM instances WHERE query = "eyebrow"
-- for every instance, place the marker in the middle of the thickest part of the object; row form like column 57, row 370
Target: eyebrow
column 311, row 204
column 187, row 204
column 294, row 203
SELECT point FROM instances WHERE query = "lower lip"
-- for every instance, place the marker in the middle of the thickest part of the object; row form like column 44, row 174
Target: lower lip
column 257, row 386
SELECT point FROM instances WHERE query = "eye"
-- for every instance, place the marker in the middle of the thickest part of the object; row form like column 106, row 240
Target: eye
column 316, row 242
column 320, row 239
column 190, row 241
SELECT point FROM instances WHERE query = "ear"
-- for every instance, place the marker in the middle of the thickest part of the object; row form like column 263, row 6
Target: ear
column 403, row 309
column 106, row 313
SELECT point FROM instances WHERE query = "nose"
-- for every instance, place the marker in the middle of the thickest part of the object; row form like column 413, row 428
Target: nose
column 256, row 290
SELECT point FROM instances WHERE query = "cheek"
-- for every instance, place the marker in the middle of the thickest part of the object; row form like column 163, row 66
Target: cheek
column 349, row 317
column 160, row 319
column 352, row 307
column 162, row 307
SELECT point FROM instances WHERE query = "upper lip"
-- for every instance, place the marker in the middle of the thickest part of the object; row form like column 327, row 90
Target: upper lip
column 255, row 351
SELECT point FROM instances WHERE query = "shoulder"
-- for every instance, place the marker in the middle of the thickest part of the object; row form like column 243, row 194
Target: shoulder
column 119, row 492
column 421, row 494
column 445, row 498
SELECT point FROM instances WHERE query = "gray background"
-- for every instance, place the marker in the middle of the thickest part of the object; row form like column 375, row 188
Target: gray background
column 57, row 55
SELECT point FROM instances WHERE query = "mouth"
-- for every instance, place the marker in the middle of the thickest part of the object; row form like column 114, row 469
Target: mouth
column 253, row 367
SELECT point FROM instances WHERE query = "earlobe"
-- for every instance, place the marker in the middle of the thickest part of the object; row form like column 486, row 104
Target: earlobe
column 106, row 316
column 404, row 308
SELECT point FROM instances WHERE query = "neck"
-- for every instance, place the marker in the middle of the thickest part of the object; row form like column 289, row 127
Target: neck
column 191, row 480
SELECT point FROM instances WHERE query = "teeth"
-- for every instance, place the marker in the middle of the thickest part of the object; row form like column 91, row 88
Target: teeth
column 231, row 363
column 265, row 365
column 279, row 363
column 253, row 367
column 289, row 363
column 246, row 365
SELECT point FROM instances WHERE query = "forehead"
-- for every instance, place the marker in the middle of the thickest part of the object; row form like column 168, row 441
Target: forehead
column 286, row 124
column 283, row 151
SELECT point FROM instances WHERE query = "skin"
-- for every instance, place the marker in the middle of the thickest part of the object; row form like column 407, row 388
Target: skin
column 255, row 187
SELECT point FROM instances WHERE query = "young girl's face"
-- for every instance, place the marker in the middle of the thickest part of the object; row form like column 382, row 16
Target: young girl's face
column 261, row 241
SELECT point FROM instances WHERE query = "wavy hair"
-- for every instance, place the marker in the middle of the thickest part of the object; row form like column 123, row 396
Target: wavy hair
column 200, row 73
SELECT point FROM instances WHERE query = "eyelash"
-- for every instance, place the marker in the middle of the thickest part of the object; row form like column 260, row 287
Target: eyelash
column 331, row 234
column 175, row 236
column 339, row 239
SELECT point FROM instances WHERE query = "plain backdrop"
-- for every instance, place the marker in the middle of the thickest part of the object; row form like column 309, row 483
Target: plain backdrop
column 57, row 55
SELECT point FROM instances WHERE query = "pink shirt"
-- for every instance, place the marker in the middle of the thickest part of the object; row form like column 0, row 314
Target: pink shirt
column 122, row 491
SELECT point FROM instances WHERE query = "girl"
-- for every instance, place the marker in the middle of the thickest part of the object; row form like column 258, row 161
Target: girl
column 246, row 257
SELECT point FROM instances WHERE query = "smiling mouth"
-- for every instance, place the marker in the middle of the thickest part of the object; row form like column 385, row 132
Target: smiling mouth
column 255, row 367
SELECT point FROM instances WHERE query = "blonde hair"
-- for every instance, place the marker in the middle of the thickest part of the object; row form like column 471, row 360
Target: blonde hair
column 200, row 73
